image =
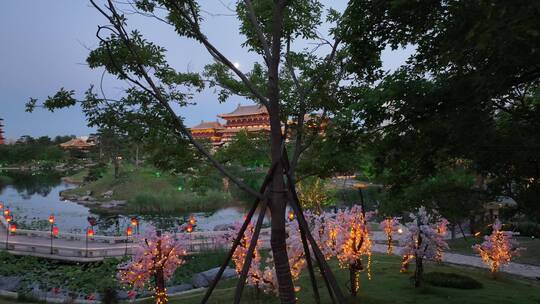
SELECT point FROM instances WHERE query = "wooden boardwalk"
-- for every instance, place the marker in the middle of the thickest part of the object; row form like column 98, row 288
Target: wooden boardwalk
column 72, row 247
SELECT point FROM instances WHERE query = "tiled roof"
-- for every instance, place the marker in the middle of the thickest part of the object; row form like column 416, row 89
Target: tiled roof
column 246, row 110
column 208, row 125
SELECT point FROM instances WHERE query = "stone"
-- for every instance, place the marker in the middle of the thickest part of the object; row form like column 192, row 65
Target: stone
column 107, row 194
column 179, row 288
column 10, row 283
column 203, row 279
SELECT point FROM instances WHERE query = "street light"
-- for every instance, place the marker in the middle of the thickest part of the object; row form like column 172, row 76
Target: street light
column 12, row 228
column 54, row 233
column 129, row 232
column 89, row 234
column 135, row 223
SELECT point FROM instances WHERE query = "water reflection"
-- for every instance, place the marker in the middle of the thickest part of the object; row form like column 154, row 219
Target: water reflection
column 33, row 197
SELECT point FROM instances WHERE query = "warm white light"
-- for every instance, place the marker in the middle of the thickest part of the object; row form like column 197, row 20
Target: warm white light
column 400, row 230
column 236, row 65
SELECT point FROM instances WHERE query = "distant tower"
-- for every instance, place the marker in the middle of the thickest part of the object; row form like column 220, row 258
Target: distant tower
column 2, row 139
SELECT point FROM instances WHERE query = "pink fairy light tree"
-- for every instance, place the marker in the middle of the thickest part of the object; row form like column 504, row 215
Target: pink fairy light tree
column 498, row 249
column 263, row 277
column 390, row 225
column 422, row 241
column 156, row 256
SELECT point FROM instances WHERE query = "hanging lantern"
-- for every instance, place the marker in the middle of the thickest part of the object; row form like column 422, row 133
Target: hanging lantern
column 9, row 218
column 134, row 221
column 90, row 232
column 129, row 231
column 6, row 212
column 51, row 219
column 55, row 231
column 12, row 227
column 1, row 205
column 189, row 228
column 291, row 215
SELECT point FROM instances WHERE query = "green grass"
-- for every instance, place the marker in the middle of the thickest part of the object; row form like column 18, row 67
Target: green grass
column 529, row 256
column 390, row 286
column 130, row 182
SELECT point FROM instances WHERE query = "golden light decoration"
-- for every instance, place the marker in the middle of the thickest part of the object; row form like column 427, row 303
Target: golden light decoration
column 192, row 220
column 291, row 215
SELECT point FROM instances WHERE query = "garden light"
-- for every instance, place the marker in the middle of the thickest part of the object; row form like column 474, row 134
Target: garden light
column 1, row 205
column 55, row 231
column 9, row 218
column 189, row 229
column 12, row 227
column 129, row 231
column 90, row 232
column 134, row 221
column 192, row 221
column 51, row 219
column 291, row 215
column 6, row 212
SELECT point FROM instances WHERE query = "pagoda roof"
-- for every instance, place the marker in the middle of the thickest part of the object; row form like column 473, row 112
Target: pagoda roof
column 208, row 125
column 245, row 111
column 77, row 143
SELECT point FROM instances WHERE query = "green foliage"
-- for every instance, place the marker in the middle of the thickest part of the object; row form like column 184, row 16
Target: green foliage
column 95, row 172
column 177, row 202
column 87, row 278
column 28, row 149
column 312, row 195
column 247, row 149
column 451, row 280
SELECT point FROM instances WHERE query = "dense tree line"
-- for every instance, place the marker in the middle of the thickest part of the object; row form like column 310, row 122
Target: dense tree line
column 27, row 149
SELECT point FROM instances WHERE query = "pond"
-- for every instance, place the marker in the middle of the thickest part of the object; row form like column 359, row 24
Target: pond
column 32, row 197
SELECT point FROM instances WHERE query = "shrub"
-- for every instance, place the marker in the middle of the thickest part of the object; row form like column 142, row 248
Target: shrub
column 526, row 228
column 95, row 172
column 451, row 280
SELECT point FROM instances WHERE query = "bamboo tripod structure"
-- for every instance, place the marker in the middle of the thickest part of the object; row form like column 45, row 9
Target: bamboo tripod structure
column 307, row 239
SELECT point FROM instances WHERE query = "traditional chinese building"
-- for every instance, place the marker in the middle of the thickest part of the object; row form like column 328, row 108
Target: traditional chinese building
column 2, row 139
column 209, row 130
column 252, row 118
column 80, row 144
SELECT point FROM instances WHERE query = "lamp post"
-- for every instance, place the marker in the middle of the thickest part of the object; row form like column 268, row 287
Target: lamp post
column 52, row 219
column 89, row 234
column 11, row 228
column 129, row 232
column 135, row 223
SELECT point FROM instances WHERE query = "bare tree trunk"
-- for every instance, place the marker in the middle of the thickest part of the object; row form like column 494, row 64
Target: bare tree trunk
column 160, row 293
column 419, row 269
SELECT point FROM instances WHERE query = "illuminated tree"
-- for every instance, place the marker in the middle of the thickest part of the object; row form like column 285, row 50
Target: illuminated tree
column 422, row 241
column 498, row 248
column 156, row 256
column 263, row 277
column 390, row 225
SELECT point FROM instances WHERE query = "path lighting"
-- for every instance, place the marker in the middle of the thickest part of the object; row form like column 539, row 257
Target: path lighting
column 89, row 234
column 51, row 219
column 291, row 215
column 129, row 232
column 189, row 228
column 12, row 228
column 192, row 220
column 9, row 218
column 6, row 212
column 135, row 223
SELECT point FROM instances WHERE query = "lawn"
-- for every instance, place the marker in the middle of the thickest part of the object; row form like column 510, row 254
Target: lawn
column 390, row 286
column 531, row 255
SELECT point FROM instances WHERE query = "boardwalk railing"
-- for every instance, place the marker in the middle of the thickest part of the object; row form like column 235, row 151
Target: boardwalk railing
column 72, row 246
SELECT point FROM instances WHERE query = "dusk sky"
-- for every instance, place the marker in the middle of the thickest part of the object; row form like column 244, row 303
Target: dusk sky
column 44, row 44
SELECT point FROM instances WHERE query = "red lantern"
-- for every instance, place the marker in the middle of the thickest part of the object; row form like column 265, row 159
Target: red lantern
column 129, row 231
column 1, row 205
column 9, row 218
column 6, row 212
column 189, row 229
column 134, row 221
column 12, row 227
column 90, row 232
column 51, row 219
column 55, row 231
